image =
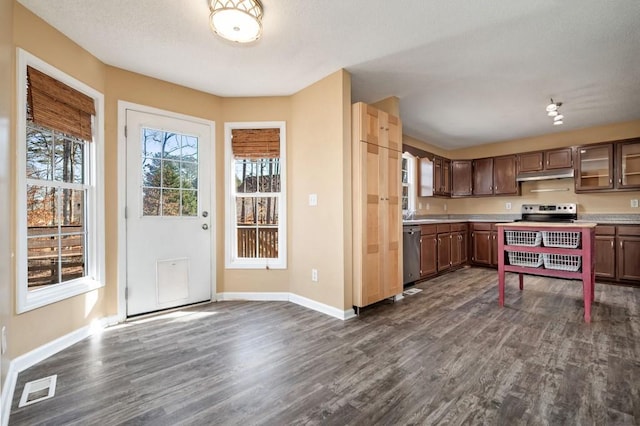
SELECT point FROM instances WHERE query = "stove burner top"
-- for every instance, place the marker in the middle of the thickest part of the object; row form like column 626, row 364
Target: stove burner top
column 564, row 213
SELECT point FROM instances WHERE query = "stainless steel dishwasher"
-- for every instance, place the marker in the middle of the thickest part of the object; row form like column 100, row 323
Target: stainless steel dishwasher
column 411, row 253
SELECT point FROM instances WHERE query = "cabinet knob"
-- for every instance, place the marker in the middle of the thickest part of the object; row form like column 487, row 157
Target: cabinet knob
column 620, row 180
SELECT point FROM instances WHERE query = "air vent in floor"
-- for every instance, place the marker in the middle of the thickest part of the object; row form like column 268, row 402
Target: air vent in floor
column 38, row 390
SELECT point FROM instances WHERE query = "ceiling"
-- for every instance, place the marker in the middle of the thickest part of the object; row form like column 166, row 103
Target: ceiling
column 467, row 72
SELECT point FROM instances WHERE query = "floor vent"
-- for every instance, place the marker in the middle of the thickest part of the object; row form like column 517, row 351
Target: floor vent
column 38, row 390
column 412, row 291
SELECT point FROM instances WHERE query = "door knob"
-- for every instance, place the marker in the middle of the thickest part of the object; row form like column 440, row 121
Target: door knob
column 205, row 226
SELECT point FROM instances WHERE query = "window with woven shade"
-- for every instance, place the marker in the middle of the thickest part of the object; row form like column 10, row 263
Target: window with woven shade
column 57, row 173
column 255, row 224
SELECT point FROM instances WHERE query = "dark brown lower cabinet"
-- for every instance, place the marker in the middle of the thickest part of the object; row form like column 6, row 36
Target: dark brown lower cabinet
column 628, row 251
column 428, row 255
column 482, row 244
column 605, row 251
column 444, row 252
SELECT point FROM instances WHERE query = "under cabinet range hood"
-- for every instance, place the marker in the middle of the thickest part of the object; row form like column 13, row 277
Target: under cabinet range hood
column 545, row 175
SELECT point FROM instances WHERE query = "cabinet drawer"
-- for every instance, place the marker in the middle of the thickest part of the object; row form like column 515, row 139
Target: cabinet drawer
column 443, row 228
column 458, row 227
column 605, row 230
column 629, row 230
column 481, row 226
column 428, row 229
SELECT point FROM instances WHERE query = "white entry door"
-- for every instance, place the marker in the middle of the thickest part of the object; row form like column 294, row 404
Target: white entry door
column 168, row 212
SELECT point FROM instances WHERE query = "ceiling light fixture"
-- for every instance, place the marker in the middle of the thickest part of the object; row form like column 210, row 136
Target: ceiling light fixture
column 553, row 110
column 236, row 20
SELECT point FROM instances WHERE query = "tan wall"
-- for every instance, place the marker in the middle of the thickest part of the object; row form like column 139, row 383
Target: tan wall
column 319, row 130
column 607, row 202
column 318, row 167
column 126, row 86
column 251, row 109
column 35, row 36
column 6, row 85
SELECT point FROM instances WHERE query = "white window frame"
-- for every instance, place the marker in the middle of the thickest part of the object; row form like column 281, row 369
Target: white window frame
column 411, row 182
column 26, row 299
column 232, row 261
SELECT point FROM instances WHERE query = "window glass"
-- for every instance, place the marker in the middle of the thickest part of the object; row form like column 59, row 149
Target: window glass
column 169, row 173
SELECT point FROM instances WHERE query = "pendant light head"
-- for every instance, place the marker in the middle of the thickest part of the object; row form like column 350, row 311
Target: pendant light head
column 553, row 110
column 236, row 20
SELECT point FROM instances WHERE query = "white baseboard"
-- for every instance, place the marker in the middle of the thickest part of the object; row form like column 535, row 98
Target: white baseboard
column 255, row 296
column 41, row 353
column 289, row 297
column 321, row 307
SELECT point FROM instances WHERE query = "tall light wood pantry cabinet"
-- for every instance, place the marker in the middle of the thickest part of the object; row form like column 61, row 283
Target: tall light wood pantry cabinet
column 377, row 221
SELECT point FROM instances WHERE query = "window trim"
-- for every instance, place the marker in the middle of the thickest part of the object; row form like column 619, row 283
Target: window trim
column 411, row 182
column 232, row 261
column 28, row 300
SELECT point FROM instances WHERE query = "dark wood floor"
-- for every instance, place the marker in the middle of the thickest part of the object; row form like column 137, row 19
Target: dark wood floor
column 447, row 355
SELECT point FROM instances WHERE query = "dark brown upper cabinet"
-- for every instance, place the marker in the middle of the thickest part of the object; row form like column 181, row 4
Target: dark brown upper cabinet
column 628, row 164
column 504, row 175
column 441, row 176
column 483, row 176
column 538, row 161
column 594, row 171
column 461, row 178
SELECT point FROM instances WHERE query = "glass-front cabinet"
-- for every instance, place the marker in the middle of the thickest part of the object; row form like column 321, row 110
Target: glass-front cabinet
column 595, row 167
column 629, row 164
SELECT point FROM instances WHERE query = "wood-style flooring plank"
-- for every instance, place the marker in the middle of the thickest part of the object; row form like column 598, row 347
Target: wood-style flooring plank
column 446, row 355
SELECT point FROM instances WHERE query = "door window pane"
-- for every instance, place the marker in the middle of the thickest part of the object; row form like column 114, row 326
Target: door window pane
column 169, row 173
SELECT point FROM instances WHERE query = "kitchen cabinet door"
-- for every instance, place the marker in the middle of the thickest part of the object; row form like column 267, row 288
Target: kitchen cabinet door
column 444, row 252
column 377, row 193
column 628, row 168
column 504, row 175
column 530, row 162
column 446, row 177
column 595, row 168
column 483, row 176
column 628, row 252
column 428, row 255
column 605, row 252
column 481, row 247
column 461, row 178
column 458, row 248
column 494, row 248
column 426, row 184
column 464, row 247
column 558, row 159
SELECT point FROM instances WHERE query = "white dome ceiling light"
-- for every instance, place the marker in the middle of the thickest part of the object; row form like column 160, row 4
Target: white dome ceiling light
column 239, row 21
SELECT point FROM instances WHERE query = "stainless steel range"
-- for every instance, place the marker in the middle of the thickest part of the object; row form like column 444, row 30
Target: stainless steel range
column 564, row 212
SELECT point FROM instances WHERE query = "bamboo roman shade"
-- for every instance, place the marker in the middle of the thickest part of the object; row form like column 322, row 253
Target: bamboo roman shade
column 255, row 143
column 57, row 106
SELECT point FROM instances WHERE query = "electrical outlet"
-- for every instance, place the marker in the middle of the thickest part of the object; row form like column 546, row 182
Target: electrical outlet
column 419, row 205
column 314, row 275
column 428, row 206
column 445, row 207
column 634, row 203
column 507, row 206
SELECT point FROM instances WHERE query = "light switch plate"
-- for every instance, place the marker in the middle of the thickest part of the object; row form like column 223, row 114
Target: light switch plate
column 313, row 199
column 634, row 203
column 507, row 206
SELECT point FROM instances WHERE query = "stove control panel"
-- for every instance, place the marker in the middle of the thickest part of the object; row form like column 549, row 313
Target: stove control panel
column 563, row 208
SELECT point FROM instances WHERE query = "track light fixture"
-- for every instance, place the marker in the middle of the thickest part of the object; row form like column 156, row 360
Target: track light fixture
column 553, row 110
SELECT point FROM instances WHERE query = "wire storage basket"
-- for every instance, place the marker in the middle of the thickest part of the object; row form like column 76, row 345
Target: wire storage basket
column 561, row 239
column 521, row 258
column 523, row 238
column 562, row 262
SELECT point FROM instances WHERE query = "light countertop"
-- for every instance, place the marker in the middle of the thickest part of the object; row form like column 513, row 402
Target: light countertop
column 550, row 224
